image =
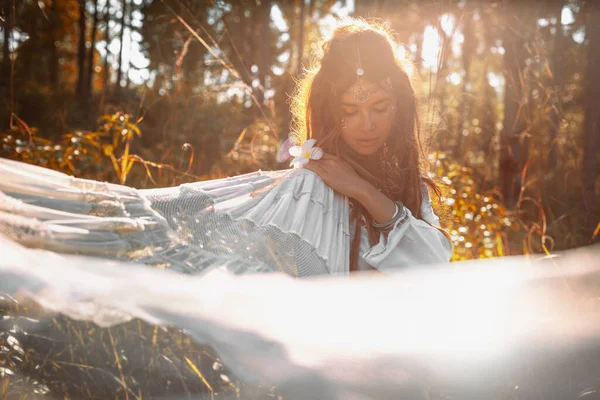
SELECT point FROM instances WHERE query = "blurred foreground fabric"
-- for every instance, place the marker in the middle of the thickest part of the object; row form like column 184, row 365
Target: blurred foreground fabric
column 519, row 327
column 529, row 328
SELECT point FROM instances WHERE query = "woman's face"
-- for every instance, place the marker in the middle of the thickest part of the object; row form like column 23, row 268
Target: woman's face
column 366, row 126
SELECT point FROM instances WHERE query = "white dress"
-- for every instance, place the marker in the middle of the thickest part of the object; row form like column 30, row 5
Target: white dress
column 411, row 242
column 288, row 221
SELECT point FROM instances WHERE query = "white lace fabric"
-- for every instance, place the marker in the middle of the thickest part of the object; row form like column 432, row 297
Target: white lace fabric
column 286, row 221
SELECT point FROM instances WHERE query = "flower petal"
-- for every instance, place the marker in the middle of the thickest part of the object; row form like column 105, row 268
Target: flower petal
column 299, row 162
column 284, row 151
column 295, row 151
column 316, row 153
column 306, row 146
column 295, row 160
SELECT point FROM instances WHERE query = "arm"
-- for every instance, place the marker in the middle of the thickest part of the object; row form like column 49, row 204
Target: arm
column 412, row 241
column 377, row 204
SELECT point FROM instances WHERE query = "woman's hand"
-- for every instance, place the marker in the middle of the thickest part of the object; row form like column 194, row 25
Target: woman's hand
column 338, row 175
column 342, row 178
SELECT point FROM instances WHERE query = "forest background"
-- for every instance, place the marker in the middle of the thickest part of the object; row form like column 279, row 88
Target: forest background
column 154, row 93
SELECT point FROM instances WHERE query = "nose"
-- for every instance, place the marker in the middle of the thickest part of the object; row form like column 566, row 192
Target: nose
column 367, row 123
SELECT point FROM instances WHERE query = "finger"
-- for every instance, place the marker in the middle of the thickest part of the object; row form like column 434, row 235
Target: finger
column 314, row 167
column 327, row 156
column 324, row 160
column 324, row 166
column 330, row 165
column 311, row 167
column 321, row 164
column 347, row 164
column 336, row 163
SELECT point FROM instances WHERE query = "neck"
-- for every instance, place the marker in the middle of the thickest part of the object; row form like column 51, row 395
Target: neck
column 369, row 162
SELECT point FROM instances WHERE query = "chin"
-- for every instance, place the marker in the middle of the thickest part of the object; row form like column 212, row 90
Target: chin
column 366, row 150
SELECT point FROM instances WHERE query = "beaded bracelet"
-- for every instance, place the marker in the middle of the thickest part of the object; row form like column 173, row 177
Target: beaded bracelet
column 397, row 215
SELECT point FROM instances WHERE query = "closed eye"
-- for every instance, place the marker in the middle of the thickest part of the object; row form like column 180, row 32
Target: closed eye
column 382, row 105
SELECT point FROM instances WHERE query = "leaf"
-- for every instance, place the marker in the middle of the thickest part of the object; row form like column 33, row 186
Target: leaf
column 115, row 164
column 108, row 150
column 130, row 163
column 197, row 371
column 136, row 130
column 241, row 136
column 499, row 245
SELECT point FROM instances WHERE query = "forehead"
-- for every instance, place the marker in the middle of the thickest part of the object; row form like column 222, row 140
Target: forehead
column 348, row 100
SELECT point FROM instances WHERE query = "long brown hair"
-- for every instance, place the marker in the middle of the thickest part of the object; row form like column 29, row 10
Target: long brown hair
column 316, row 114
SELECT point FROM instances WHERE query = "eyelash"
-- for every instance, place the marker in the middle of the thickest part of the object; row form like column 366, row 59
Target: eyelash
column 377, row 110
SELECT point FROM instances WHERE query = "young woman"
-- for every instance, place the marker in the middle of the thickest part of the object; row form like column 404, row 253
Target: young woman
column 360, row 202
column 359, row 105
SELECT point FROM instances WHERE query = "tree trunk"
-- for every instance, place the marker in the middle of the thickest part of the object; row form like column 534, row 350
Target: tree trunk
column 510, row 151
column 31, row 50
column 121, row 38
column 558, row 74
column 445, row 50
column 591, row 134
column 54, row 81
column 106, row 72
column 263, row 62
column 92, row 53
column 251, row 53
column 419, row 52
column 488, row 124
column 81, row 51
column 300, row 54
column 8, row 27
column 130, row 6
column 468, row 49
column 7, row 63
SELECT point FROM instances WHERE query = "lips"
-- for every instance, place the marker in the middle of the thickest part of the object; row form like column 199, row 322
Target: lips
column 367, row 141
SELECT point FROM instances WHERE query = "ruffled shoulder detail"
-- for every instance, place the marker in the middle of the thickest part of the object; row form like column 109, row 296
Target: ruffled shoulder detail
column 287, row 221
column 291, row 218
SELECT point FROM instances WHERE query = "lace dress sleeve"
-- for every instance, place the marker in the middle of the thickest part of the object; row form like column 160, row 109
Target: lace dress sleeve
column 411, row 242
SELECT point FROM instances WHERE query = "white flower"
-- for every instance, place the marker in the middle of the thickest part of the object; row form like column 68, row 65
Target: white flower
column 302, row 154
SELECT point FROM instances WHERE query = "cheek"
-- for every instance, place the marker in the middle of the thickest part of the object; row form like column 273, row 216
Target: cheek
column 355, row 125
column 350, row 127
column 383, row 122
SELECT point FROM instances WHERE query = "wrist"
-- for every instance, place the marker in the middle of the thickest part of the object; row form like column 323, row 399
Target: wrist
column 378, row 205
column 363, row 192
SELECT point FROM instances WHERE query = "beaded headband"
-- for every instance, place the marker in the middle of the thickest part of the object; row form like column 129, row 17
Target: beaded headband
column 361, row 90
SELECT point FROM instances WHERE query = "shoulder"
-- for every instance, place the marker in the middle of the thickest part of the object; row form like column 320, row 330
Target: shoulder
column 300, row 180
column 303, row 176
column 425, row 189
